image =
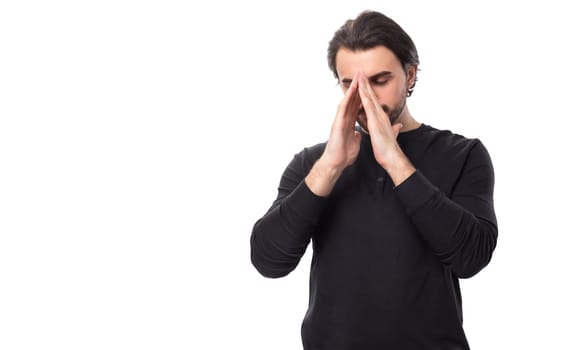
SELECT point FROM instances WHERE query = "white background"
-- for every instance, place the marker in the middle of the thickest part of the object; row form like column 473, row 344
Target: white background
column 141, row 140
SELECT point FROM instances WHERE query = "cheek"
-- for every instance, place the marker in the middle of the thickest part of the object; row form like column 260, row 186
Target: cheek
column 386, row 94
column 394, row 91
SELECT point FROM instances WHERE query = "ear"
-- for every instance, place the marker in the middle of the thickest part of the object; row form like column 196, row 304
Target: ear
column 411, row 74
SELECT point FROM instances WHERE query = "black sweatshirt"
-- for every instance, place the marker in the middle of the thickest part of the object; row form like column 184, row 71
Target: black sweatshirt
column 386, row 260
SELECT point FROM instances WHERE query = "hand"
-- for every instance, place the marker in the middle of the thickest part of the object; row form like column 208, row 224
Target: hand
column 342, row 147
column 383, row 135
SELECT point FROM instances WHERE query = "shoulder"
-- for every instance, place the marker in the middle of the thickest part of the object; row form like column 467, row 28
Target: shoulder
column 448, row 140
column 303, row 161
column 450, row 145
column 445, row 156
column 309, row 155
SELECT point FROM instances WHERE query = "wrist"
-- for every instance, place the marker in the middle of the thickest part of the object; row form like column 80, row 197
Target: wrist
column 322, row 177
column 399, row 168
column 328, row 167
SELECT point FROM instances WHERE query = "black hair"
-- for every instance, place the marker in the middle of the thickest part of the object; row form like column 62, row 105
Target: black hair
column 371, row 29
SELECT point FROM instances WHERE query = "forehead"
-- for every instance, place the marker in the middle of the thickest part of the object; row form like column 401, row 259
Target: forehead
column 371, row 61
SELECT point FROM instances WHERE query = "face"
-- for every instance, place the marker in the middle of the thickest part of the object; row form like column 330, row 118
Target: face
column 386, row 75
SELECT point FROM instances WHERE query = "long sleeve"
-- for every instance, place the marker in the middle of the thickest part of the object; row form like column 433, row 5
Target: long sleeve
column 386, row 260
column 461, row 230
column 279, row 239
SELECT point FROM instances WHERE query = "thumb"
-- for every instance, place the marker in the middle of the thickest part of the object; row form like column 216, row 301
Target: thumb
column 397, row 127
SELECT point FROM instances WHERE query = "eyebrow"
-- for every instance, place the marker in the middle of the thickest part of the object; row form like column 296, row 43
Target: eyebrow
column 374, row 77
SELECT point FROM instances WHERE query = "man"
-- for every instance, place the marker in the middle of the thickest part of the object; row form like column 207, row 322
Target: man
column 397, row 211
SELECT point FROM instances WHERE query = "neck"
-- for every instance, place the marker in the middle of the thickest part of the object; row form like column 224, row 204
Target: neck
column 408, row 122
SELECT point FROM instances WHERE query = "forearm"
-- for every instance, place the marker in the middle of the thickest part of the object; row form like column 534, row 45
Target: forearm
column 279, row 239
column 322, row 178
column 399, row 167
column 462, row 240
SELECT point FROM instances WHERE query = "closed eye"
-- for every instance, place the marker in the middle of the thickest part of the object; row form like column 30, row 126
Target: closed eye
column 380, row 79
column 379, row 82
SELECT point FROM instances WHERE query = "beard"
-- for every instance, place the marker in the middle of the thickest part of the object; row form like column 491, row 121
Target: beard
column 393, row 113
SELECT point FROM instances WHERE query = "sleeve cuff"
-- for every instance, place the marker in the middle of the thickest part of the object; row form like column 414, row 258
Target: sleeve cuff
column 305, row 203
column 415, row 191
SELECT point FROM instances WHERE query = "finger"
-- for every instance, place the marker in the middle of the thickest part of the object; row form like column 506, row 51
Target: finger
column 374, row 110
column 354, row 99
column 354, row 105
column 349, row 108
column 349, row 94
column 367, row 96
column 396, row 128
column 339, row 121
